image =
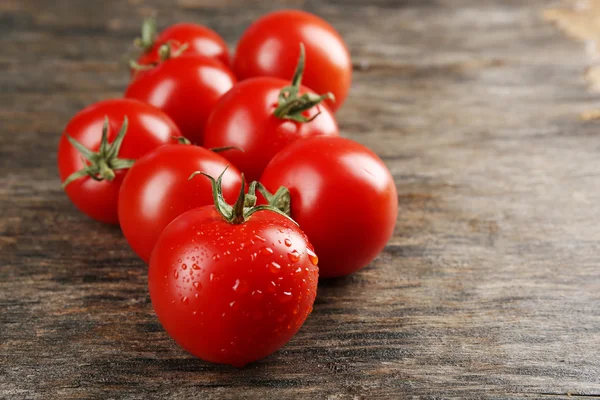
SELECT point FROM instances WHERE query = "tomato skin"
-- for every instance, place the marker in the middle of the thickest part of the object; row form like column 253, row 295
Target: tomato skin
column 157, row 190
column 270, row 47
column 201, row 41
column 228, row 293
column 342, row 196
column 244, row 118
column 148, row 129
column 186, row 88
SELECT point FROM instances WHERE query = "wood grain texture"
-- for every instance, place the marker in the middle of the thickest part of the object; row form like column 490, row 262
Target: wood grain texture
column 489, row 288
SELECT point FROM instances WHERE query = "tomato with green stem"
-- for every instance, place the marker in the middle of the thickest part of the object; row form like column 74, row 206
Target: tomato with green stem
column 341, row 194
column 185, row 86
column 269, row 48
column 230, row 284
column 99, row 145
column 199, row 39
column 157, row 190
column 263, row 115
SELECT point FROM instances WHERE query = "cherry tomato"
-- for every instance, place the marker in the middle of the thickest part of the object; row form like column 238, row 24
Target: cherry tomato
column 200, row 40
column 342, row 196
column 269, row 47
column 263, row 115
column 157, row 190
column 95, row 188
column 232, row 290
column 186, row 87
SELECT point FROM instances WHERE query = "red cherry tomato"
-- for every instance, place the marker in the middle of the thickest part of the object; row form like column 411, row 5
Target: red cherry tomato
column 200, row 40
column 148, row 128
column 186, row 87
column 342, row 196
column 157, row 190
column 244, row 118
column 269, row 47
column 228, row 292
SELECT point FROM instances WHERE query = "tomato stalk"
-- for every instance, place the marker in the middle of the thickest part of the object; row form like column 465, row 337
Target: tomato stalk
column 148, row 35
column 103, row 163
column 291, row 105
column 245, row 204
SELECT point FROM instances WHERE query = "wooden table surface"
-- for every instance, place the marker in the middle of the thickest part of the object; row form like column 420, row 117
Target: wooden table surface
column 490, row 286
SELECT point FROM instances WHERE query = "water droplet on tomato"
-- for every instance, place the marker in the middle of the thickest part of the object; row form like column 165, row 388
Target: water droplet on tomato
column 287, row 242
column 285, row 297
column 196, row 295
column 312, row 257
column 266, row 251
column 274, row 267
column 271, row 287
column 216, row 257
column 195, row 266
column 262, row 239
column 183, row 267
column 212, row 276
column 197, row 285
column 194, row 313
column 240, row 286
column 257, row 294
column 294, row 256
column 176, row 274
column 184, row 300
column 179, row 260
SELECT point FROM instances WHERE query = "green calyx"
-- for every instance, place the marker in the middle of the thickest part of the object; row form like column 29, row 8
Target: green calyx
column 281, row 199
column 165, row 52
column 245, row 205
column 290, row 104
column 103, row 163
column 148, row 35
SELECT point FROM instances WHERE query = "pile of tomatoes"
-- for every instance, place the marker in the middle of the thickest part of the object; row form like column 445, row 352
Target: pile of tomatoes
column 229, row 178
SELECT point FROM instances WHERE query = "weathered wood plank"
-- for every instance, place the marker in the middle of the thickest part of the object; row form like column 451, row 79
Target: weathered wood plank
column 489, row 288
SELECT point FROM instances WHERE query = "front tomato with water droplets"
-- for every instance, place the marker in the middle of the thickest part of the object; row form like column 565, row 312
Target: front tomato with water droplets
column 232, row 292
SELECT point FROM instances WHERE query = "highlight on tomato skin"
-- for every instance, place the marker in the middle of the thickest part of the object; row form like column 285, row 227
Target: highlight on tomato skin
column 142, row 127
column 157, row 190
column 269, row 47
column 343, row 197
column 232, row 290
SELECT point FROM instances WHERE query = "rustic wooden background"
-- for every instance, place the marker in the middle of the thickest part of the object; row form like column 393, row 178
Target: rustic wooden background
column 490, row 286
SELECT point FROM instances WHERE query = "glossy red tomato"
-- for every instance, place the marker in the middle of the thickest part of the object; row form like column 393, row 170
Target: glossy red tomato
column 186, row 88
column 269, row 47
column 157, row 190
column 244, row 118
column 199, row 40
column 230, row 292
column 148, row 128
column 342, row 196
